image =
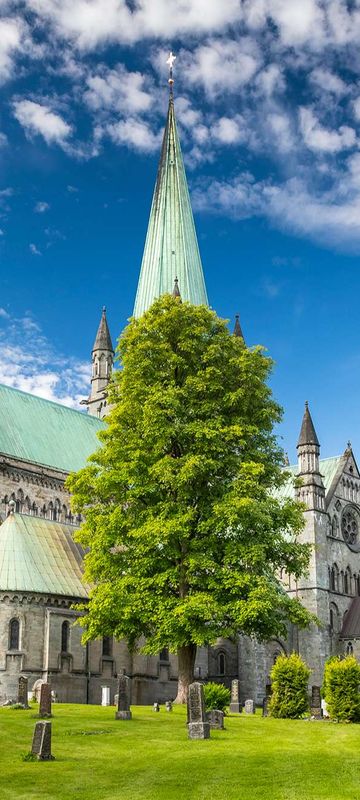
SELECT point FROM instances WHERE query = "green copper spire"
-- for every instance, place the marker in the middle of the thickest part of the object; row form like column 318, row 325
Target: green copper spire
column 171, row 248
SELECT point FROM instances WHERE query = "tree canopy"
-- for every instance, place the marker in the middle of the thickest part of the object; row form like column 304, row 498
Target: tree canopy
column 185, row 533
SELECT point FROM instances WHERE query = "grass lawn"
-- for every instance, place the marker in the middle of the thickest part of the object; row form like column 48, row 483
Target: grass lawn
column 150, row 758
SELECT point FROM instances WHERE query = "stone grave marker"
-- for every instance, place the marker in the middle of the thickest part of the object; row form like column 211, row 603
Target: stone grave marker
column 156, row 707
column 315, row 704
column 324, row 710
column 105, row 695
column 41, row 743
column 216, row 720
column 198, row 726
column 45, row 700
column 235, row 707
column 249, row 707
column 123, row 707
column 23, row 691
column 168, row 705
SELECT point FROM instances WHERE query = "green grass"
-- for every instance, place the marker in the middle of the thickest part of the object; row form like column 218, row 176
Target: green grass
column 151, row 758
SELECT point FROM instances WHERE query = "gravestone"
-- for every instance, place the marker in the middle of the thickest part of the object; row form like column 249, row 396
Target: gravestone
column 41, row 743
column 315, row 704
column 116, row 699
column 249, row 707
column 23, row 691
column 168, row 705
column 123, row 708
column 45, row 700
column 198, row 726
column 216, row 720
column 324, row 710
column 156, row 707
column 235, row 707
column 105, row 695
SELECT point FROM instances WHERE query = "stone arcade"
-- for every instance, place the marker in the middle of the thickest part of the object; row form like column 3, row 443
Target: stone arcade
column 41, row 566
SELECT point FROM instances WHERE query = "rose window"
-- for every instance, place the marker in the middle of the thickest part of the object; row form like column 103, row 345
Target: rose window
column 349, row 526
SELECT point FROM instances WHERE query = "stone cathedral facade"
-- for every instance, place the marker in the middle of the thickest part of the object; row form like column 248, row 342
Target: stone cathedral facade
column 41, row 565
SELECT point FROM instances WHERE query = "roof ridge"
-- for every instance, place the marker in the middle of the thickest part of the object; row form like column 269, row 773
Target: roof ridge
column 51, row 402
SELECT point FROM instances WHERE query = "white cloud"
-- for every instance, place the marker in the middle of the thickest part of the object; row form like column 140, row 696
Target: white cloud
column 29, row 362
column 34, row 250
column 317, row 137
column 39, row 119
column 135, row 134
column 221, row 65
column 356, row 106
column 11, row 31
column 41, row 206
column 117, row 90
column 229, row 130
column 328, row 81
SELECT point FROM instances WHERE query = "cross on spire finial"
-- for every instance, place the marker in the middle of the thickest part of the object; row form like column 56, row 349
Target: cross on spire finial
column 170, row 62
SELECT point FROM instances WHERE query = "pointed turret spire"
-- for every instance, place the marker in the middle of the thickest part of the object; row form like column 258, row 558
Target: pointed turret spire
column 237, row 327
column 307, row 432
column 311, row 491
column 102, row 357
column 176, row 290
column 171, row 246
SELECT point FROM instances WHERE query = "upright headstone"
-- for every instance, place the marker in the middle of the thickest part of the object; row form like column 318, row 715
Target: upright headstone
column 105, row 695
column 45, row 700
column 156, row 707
column 315, row 705
column 198, row 726
column 216, row 720
column 324, row 710
column 123, row 708
column 23, row 691
column 41, row 743
column 235, row 707
column 249, row 707
column 168, row 705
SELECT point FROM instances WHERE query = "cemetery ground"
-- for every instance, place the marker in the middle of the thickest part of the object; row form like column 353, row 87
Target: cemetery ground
column 151, row 758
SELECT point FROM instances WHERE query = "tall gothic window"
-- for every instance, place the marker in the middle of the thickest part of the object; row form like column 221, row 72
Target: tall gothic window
column 349, row 649
column 164, row 654
column 65, row 630
column 14, row 634
column 221, row 664
column 106, row 645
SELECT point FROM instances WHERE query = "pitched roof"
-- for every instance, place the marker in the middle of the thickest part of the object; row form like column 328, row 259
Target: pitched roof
column 171, row 247
column 351, row 624
column 328, row 468
column 103, row 338
column 37, row 555
column 307, row 432
column 46, row 433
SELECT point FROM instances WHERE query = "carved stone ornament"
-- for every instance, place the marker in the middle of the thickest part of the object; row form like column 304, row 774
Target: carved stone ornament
column 350, row 527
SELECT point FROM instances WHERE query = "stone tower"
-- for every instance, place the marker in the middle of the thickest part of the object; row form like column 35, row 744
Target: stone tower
column 313, row 644
column 171, row 248
column 102, row 358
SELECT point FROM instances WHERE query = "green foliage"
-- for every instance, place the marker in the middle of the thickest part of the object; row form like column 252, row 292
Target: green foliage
column 341, row 688
column 217, row 696
column 289, row 681
column 29, row 757
column 183, row 534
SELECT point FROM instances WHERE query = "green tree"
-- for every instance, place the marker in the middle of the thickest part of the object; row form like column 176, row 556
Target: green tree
column 341, row 688
column 183, row 530
column 289, row 682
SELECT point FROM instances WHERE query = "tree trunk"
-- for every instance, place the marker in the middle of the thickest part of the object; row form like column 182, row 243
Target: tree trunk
column 186, row 661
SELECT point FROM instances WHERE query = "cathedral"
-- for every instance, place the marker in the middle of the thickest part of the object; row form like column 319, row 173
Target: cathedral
column 41, row 565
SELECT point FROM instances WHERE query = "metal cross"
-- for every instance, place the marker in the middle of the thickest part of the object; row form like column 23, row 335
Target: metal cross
column 171, row 60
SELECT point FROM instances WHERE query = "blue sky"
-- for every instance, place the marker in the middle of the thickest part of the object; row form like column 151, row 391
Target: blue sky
column 268, row 108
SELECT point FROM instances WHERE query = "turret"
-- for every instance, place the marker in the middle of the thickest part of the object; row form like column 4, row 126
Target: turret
column 102, row 358
column 237, row 328
column 312, row 491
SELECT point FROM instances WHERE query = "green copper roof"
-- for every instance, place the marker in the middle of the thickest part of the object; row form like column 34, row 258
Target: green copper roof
column 44, row 432
column 37, row 555
column 171, row 248
column 328, row 469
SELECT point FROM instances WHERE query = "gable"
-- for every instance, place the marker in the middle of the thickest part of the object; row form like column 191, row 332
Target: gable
column 42, row 432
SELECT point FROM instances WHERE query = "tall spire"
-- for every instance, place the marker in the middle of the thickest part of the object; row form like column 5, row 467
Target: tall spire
column 307, row 432
column 311, row 490
column 237, row 327
column 102, row 358
column 171, row 246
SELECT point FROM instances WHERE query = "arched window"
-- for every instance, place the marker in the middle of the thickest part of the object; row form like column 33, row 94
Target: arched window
column 164, row 654
column 221, row 663
column 65, row 630
column 331, row 619
column 106, row 645
column 349, row 649
column 335, row 526
column 14, row 634
column 332, row 579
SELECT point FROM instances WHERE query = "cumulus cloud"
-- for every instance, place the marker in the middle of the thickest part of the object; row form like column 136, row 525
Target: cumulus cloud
column 11, row 31
column 34, row 249
column 41, row 206
column 229, row 130
column 29, row 362
column 317, row 137
column 134, row 133
column 222, row 65
column 40, row 119
column 117, row 90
